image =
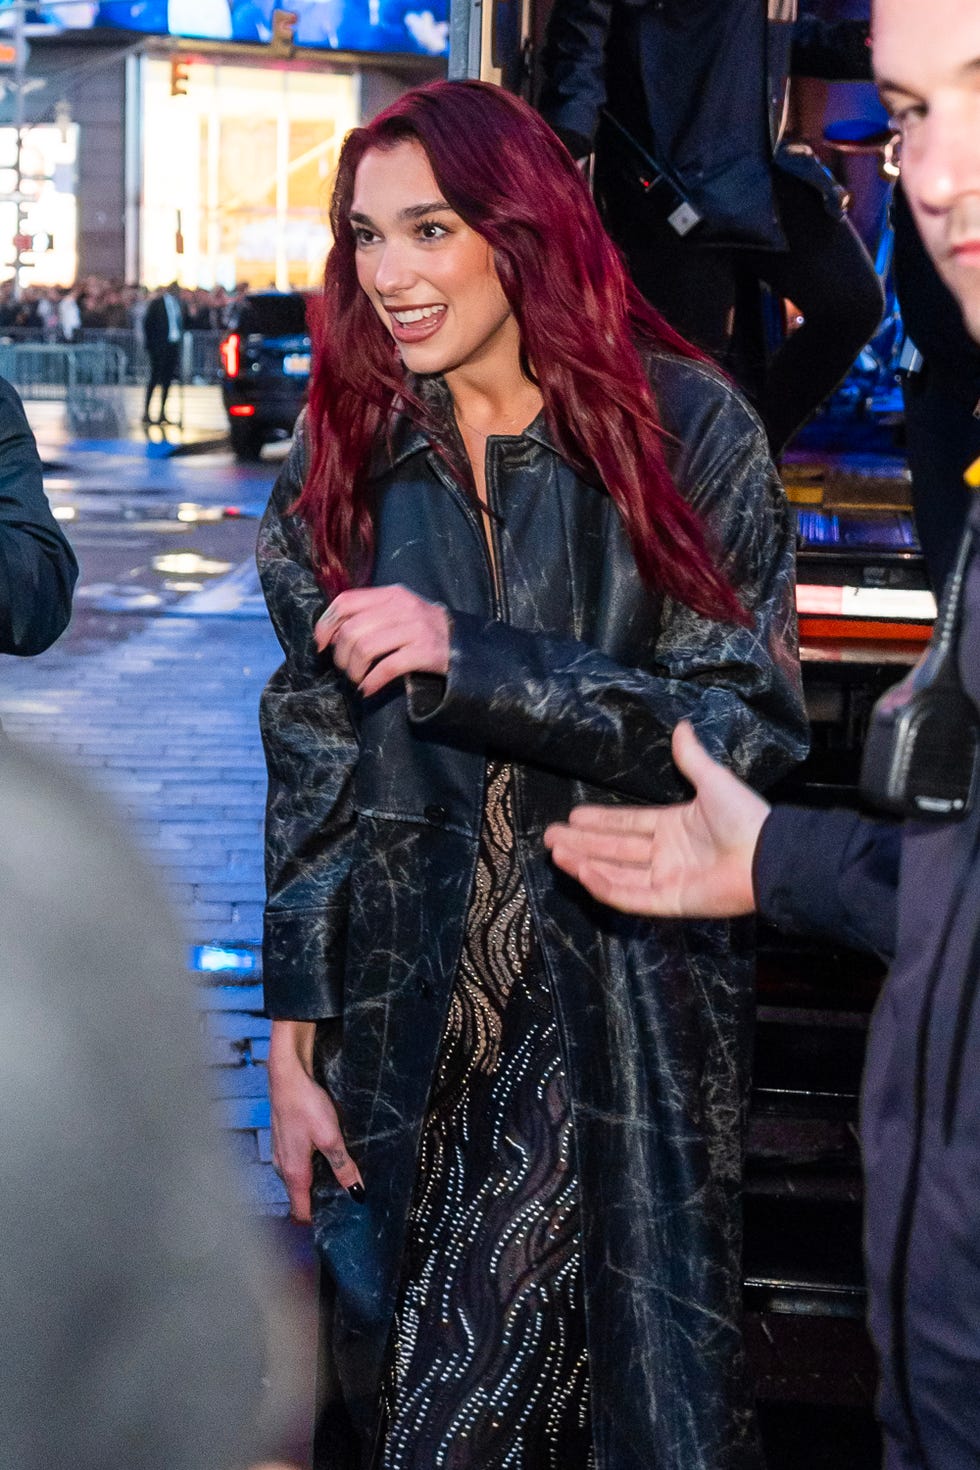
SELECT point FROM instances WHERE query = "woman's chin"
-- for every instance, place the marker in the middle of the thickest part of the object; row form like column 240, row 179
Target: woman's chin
column 424, row 358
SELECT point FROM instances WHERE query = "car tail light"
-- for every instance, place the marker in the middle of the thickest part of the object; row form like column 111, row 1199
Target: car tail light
column 231, row 356
column 241, row 410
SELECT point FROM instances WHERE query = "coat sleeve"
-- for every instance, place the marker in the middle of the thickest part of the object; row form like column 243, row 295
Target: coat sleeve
column 574, row 67
column 552, row 701
column 829, row 874
column 311, row 752
column 37, row 566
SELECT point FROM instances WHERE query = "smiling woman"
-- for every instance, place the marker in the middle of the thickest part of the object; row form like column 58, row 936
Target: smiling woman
column 429, row 276
column 524, row 529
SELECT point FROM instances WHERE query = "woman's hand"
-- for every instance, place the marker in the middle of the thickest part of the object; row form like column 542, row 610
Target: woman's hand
column 693, row 860
column 303, row 1119
column 380, row 633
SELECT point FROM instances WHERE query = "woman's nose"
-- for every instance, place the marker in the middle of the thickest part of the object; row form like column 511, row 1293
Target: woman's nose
column 394, row 271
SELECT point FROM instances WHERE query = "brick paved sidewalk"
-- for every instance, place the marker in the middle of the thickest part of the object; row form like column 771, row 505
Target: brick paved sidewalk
column 166, row 723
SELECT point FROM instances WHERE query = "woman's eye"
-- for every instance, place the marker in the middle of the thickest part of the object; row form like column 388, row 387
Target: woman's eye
column 363, row 236
column 430, row 230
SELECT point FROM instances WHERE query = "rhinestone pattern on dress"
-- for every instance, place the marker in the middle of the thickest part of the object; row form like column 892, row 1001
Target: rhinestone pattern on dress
column 488, row 1365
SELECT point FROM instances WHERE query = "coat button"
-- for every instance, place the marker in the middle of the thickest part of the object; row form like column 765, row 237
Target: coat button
column 435, row 815
column 423, row 987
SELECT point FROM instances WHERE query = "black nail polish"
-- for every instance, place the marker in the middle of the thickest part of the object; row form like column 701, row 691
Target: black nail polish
column 356, row 1192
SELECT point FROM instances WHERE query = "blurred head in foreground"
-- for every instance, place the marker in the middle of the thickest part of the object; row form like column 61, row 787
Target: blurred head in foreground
column 133, row 1297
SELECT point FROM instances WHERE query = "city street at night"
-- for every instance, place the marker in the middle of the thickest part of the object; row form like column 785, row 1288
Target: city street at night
column 545, row 1043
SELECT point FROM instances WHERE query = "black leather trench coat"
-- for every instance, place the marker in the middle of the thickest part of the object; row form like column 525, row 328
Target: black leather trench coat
column 577, row 675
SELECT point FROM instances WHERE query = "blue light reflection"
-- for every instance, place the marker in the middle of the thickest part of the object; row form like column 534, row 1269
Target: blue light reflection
column 214, row 959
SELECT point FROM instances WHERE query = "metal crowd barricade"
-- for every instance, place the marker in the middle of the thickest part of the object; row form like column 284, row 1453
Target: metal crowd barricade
column 130, row 343
column 88, row 377
column 201, row 362
column 199, row 359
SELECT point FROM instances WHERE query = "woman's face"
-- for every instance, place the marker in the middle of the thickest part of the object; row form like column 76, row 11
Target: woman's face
column 430, row 277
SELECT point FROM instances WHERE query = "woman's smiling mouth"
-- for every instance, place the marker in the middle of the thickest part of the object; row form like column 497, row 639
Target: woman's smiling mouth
column 416, row 323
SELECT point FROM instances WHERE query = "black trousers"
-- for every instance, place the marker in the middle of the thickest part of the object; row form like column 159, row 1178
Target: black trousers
column 826, row 272
column 164, row 367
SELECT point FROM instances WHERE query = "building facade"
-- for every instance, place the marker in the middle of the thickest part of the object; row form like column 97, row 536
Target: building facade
column 151, row 159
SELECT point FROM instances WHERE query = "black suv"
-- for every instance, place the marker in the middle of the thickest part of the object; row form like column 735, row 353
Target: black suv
column 265, row 369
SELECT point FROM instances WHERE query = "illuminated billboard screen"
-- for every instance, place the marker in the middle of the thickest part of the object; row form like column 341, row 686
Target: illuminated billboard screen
column 419, row 26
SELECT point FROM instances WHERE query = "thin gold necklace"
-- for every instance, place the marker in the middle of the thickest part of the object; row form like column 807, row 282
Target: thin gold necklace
column 487, row 433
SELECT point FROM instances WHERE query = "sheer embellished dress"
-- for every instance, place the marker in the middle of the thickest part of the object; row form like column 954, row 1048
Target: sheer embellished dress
column 488, row 1365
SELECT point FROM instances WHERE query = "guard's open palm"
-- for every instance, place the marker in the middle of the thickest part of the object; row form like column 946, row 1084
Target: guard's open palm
column 692, row 860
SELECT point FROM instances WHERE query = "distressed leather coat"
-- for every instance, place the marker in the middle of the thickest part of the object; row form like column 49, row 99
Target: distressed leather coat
column 577, row 675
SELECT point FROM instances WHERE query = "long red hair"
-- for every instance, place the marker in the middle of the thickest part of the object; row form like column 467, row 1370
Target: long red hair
column 582, row 326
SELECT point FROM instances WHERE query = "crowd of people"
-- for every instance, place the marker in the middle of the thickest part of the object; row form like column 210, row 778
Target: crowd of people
column 61, row 312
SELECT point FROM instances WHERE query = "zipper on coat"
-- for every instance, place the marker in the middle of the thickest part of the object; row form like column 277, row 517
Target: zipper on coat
column 490, row 535
column 466, row 505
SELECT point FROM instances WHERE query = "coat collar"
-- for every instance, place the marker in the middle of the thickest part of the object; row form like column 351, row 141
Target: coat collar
column 405, row 437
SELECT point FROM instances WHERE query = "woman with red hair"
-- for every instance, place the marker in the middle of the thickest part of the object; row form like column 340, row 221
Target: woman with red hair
column 523, row 531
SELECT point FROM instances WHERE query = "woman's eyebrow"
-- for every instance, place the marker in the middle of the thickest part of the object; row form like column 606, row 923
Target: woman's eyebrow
column 419, row 211
column 411, row 211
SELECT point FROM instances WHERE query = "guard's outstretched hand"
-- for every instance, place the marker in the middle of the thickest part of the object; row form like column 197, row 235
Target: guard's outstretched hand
column 693, row 860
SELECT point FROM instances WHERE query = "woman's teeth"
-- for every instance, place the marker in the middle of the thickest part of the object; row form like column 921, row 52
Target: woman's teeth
column 419, row 314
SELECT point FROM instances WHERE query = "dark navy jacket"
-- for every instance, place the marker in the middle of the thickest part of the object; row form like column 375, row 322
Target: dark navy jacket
column 912, row 893
column 701, row 84
column 577, row 675
column 37, row 566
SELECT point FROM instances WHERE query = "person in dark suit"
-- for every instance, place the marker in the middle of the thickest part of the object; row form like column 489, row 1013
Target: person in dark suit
column 37, row 566
column 699, row 88
column 163, row 331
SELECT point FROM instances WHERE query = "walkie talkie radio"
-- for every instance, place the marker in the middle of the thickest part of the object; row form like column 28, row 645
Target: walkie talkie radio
column 922, row 754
